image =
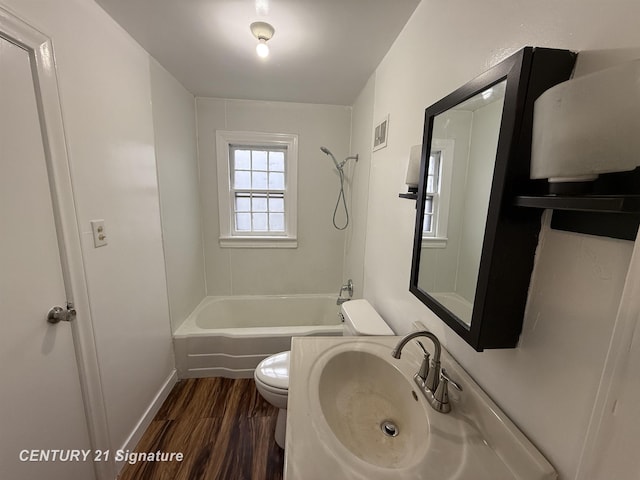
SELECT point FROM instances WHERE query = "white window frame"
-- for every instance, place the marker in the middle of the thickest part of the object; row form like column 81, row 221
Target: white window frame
column 228, row 236
column 438, row 237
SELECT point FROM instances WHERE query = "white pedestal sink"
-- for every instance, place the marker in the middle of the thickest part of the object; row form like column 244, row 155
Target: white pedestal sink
column 355, row 413
column 377, row 418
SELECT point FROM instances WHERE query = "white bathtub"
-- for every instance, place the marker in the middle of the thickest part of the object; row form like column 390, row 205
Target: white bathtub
column 456, row 304
column 229, row 336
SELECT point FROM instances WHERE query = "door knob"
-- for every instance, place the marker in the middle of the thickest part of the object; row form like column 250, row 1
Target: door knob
column 58, row 314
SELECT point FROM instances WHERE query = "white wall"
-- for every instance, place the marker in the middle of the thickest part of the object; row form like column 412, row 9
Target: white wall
column 548, row 384
column 316, row 266
column 482, row 153
column 361, row 141
column 106, row 105
column 456, row 126
column 174, row 121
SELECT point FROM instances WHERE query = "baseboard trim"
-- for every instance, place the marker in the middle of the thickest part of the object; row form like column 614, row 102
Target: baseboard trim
column 147, row 417
column 207, row 372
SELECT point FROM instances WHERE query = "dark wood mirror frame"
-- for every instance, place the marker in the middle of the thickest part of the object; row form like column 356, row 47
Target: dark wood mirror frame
column 511, row 233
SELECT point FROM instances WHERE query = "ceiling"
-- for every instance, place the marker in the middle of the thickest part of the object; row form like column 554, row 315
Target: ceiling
column 323, row 51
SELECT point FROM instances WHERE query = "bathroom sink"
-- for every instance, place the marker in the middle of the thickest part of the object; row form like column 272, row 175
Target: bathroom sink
column 354, row 412
column 372, row 409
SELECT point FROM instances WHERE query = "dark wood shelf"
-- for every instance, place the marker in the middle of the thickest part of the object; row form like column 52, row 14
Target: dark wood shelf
column 410, row 196
column 583, row 203
column 615, row 216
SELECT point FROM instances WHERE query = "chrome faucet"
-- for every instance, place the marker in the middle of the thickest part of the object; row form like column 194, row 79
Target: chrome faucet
column 347, row 287
column 432, row 380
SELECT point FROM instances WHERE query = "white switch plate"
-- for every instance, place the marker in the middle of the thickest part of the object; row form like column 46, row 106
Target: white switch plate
column 99, row 233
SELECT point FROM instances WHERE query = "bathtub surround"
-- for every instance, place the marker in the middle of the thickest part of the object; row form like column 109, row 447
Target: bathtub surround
column 355, row 240
column 316, row 265
column 578, row 279
column 174, row 123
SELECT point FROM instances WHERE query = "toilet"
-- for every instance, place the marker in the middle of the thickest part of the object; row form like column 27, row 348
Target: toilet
column 272, row 374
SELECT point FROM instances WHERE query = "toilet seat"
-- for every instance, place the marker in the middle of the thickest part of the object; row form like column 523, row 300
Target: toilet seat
column 273, row 373
column 273, row 390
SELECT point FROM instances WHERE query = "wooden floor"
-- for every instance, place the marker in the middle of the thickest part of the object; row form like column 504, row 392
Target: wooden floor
column 222, row 426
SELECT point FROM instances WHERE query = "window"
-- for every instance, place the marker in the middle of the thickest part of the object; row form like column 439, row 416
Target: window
column 431, row 195
column 257, row 189
column 437, row 193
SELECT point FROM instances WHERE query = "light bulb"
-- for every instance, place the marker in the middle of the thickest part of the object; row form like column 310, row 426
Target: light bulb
column 262, row 49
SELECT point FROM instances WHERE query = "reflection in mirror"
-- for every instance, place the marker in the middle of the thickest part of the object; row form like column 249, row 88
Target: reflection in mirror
column 458, row 185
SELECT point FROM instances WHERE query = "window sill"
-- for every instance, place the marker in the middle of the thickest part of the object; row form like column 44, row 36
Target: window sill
column 434, row 242
column 258, row 242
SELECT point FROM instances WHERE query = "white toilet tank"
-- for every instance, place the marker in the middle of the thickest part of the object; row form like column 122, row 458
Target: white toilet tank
column 361, row 319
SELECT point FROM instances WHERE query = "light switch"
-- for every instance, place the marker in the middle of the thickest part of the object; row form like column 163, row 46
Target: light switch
column 99, row 233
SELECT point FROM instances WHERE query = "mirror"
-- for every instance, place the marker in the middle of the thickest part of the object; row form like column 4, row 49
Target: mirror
column 460, row 170
column 473, row 250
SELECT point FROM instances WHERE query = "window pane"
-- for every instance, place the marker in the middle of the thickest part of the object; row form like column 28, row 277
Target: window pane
column 260, row 204
column 259, row 180
column 276, row 222
column 431, row 184
column 434, row 172
column 259, row 222
column 243, row 222
column 276, row 181
column 259, row 160
column 276, row 161
column 242, row 160
column 243, row 203
column 433, row 159
column 426, row 226
column 276, row 204
column 428, row 205
column 242, row 180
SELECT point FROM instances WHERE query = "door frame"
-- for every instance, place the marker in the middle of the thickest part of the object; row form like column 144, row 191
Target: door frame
column 616, row 372
column 43, row 67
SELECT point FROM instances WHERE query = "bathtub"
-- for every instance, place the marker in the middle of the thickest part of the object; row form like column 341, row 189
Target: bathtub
column 456, row 304
column 229, row 336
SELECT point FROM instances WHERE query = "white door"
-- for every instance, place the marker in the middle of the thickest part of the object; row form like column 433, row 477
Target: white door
column 41, row 408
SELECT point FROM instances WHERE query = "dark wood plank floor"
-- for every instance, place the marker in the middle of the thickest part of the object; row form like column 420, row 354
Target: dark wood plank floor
column 223, row 427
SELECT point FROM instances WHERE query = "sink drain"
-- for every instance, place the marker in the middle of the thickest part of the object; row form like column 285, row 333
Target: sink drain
column 389, row 428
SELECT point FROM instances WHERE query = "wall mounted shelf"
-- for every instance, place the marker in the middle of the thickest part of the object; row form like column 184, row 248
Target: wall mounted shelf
column 615, row 216
column 409, row 196
column 585, row 203
column 412, row 193
column 611, row 209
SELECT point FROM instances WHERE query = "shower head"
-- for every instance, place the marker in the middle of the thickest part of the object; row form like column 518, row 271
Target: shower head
column 328, row 152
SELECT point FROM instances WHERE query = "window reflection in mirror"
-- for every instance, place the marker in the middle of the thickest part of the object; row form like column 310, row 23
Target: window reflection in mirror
column 460, row 172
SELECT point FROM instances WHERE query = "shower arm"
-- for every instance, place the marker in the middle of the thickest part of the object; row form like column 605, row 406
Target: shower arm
column 352, row 157
column 340, row 165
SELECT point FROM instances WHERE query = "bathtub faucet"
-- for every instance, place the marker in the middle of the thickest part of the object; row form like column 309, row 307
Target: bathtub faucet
column 347, row 287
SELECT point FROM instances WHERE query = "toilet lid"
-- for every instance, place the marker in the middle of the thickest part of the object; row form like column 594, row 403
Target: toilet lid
column 274, row 370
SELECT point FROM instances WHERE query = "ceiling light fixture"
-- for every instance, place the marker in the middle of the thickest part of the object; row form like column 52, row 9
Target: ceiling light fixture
column 263, row 32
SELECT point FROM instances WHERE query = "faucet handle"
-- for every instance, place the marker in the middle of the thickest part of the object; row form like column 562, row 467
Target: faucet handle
column 445, row 376
column 424, row 366
column 441, row 395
